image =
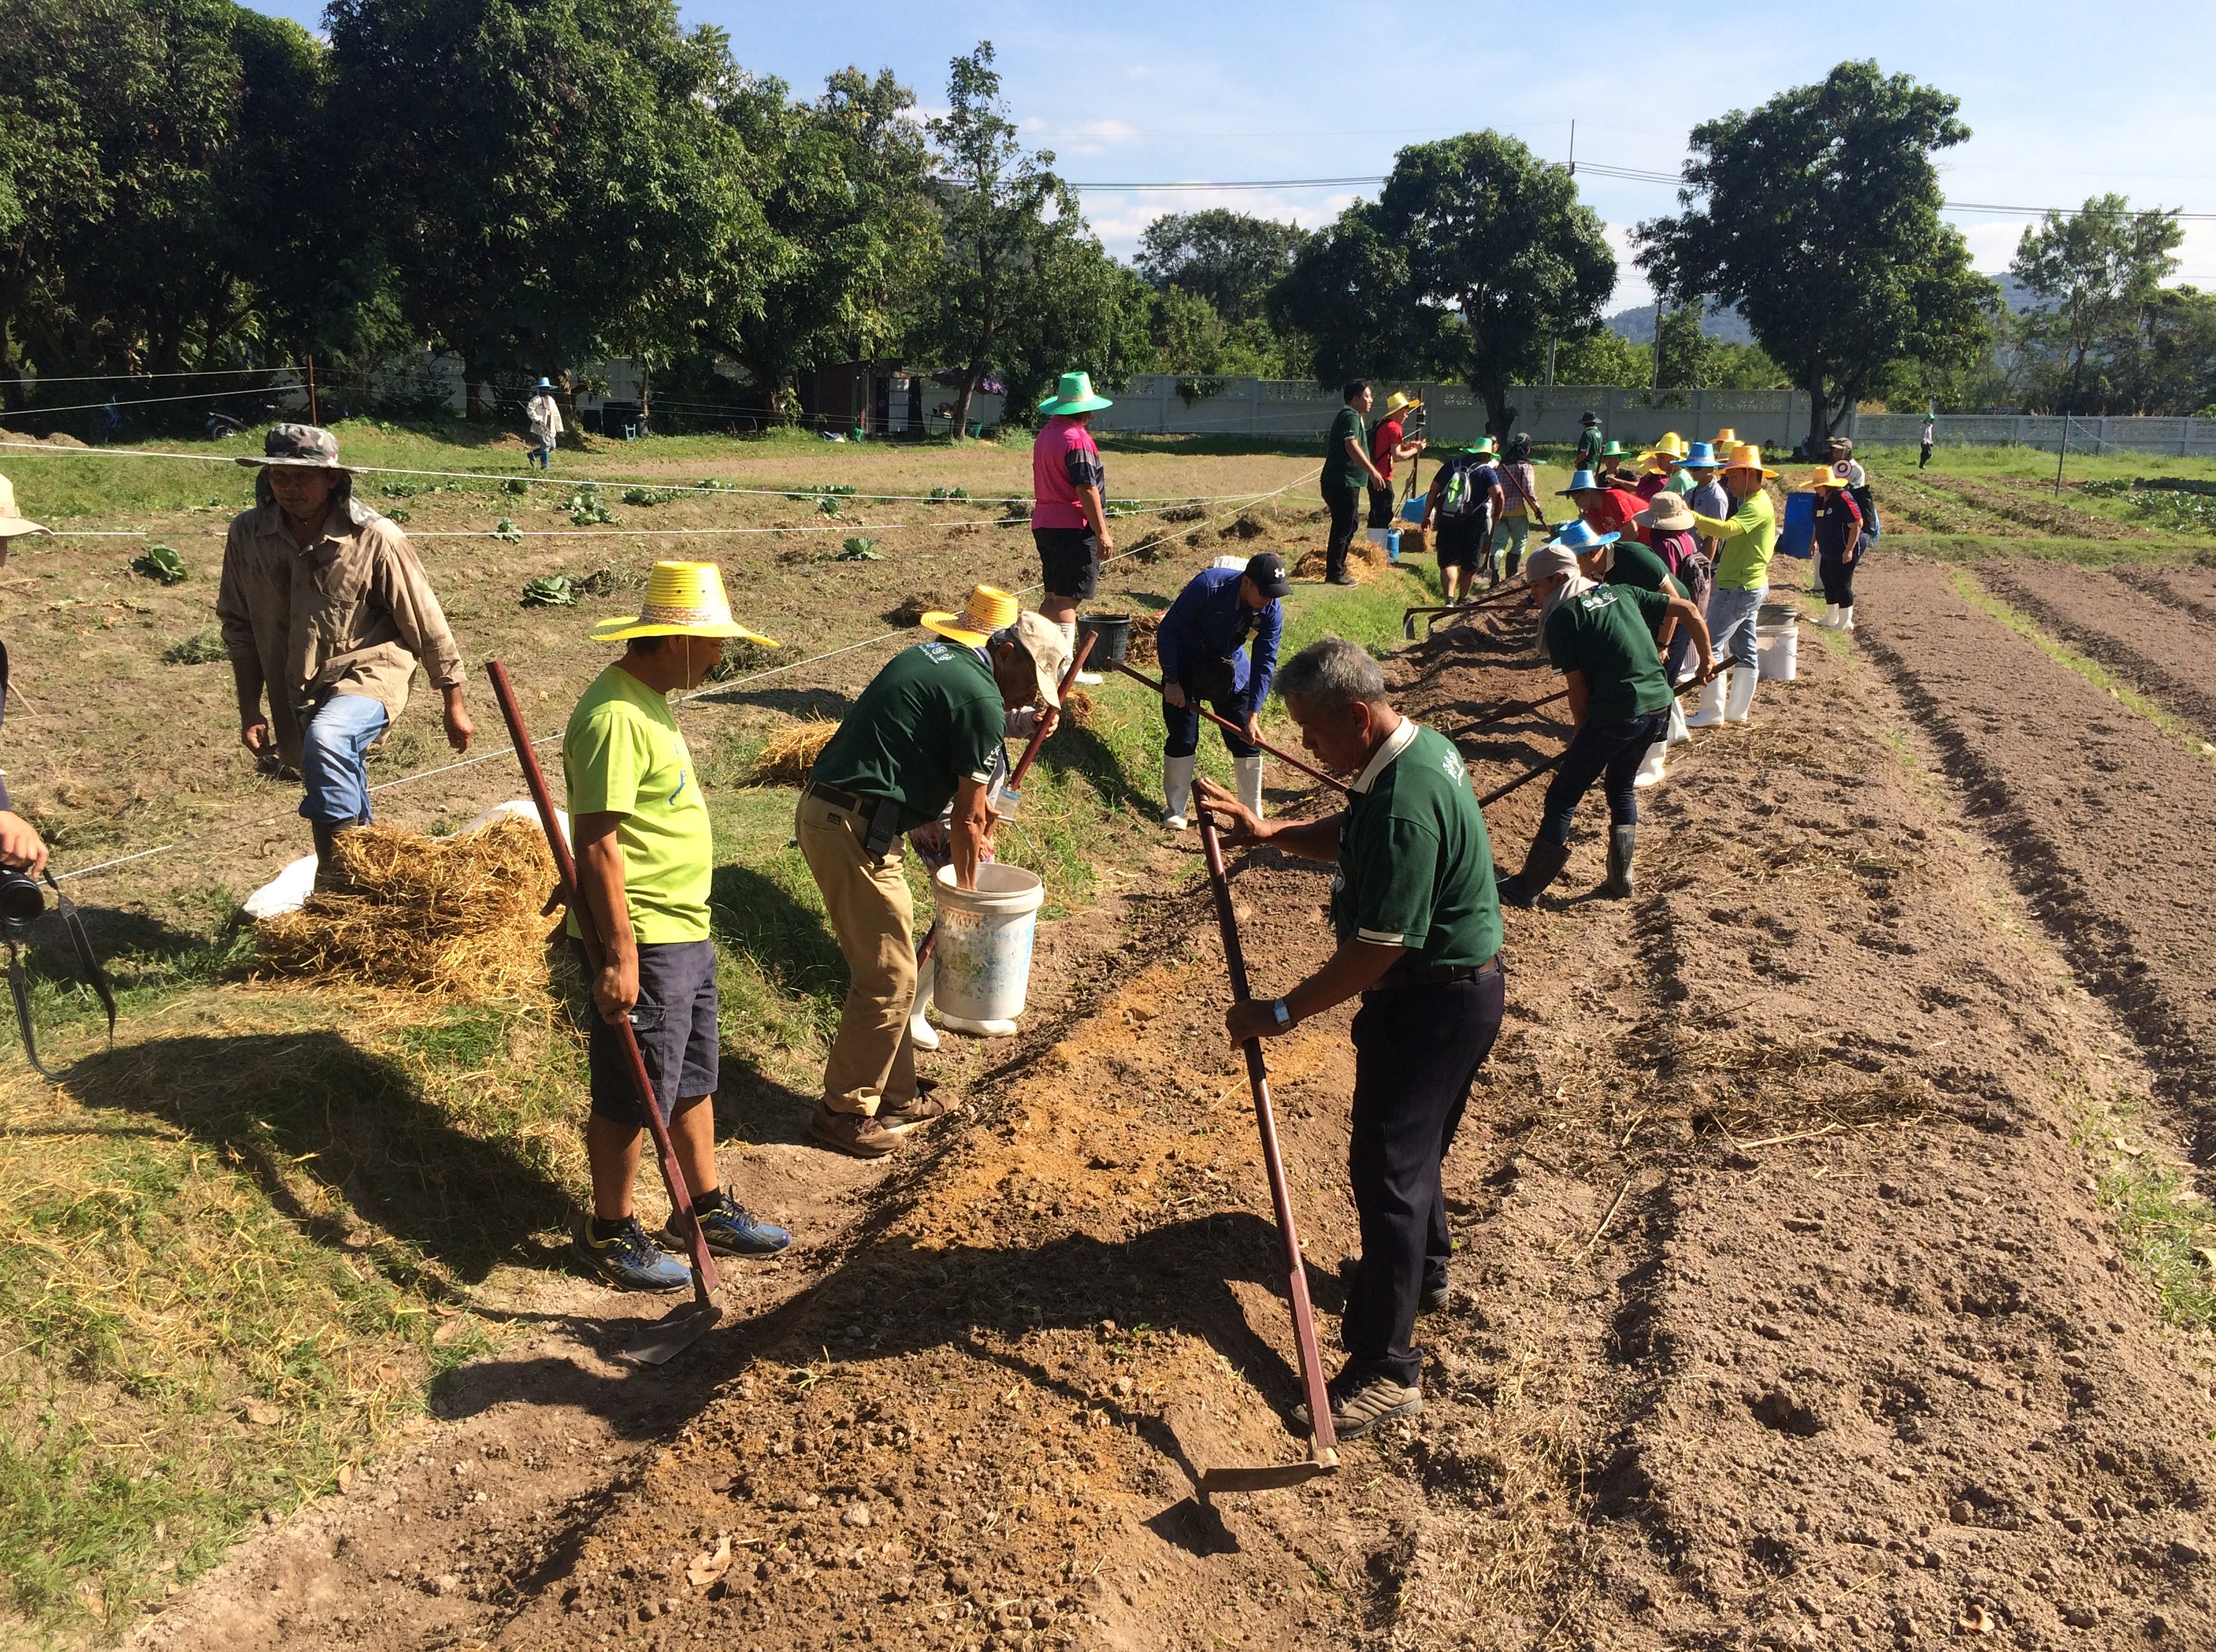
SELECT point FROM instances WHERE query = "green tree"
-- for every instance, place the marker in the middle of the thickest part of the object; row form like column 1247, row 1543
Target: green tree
column 1476, row 253
column 550, row 180
column 139, row 136
column 1687, row 355
column 1230, row 259
column 844, row 184
column 1604, row 357
column 1023, row 287
column 2099, row 268
column 1817, row 216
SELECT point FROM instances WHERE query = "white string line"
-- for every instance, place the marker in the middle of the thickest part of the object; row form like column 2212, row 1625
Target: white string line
column 37, row 378
column 680, row 699
column 797, row 494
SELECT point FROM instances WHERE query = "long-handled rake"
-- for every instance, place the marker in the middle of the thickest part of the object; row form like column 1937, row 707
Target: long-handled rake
column 680, row 1329
column 1408, row 615
column 1323, row 1456
column 1285, row 757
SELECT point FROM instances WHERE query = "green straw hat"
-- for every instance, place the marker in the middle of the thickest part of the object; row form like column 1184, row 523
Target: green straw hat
column 1075, row 396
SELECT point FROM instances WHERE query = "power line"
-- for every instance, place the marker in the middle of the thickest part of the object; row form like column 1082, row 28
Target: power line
column 37, row 378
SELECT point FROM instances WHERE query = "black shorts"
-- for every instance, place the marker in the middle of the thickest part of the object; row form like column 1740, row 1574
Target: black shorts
column 675, row 1021
column 1461, row 540
column 1069, row 560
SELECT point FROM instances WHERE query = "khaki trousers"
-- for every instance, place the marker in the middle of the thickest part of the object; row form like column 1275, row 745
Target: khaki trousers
column 871, row 1059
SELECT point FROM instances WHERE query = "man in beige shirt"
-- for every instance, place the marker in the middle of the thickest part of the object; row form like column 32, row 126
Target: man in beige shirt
column 325, row 605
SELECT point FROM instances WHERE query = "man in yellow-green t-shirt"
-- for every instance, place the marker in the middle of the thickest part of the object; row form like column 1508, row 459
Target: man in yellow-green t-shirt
column 644, row 857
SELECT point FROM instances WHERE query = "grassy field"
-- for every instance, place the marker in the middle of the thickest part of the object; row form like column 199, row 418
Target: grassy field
column 238, row 1252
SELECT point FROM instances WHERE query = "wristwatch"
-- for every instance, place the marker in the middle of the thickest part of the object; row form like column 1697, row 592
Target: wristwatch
column 1284, row 1015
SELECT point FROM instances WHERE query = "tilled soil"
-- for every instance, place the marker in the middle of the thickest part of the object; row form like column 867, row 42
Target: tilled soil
column 1785, row 1314
column 2159, row 646
column 2102, row 820
column 2193, row 589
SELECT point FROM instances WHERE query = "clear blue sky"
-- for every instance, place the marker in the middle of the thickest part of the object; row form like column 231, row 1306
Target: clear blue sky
column 2063, row 102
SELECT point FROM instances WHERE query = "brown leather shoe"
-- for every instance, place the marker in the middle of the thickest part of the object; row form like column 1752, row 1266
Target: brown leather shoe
column 851, row 1132
column 900, row 1117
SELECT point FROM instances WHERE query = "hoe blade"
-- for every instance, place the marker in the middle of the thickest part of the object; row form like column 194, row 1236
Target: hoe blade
column 666, row 1338
column 1272, row 1477
column 1408, row 625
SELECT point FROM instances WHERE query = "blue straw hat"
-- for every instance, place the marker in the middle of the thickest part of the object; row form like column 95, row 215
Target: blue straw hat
column 1579, row 482
column 1700, row 456
column 1578, row 536
column 545, row 384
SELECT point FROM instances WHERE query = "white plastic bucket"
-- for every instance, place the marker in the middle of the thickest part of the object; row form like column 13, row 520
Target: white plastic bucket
column 1777, row 651
column 984, row 959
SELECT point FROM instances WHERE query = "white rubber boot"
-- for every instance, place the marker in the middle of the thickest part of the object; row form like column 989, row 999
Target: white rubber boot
column 1650, row 766
column 1177, row 790
column 920, row 1032
column 1846, row 619
column 1741, row 697
column 1831, row 620
column 1247, row 771
column 1711, row 710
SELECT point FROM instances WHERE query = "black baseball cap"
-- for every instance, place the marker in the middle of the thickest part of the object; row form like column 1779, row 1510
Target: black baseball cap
column 1267, row 570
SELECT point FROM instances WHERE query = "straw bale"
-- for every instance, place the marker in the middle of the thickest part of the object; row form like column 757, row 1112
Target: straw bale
column 1139, row 647
column 787, row 758
column 458, row 917
column 1316, row 565
column 1077, row 707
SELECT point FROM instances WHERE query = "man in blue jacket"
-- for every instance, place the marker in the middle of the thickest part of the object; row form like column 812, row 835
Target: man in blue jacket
column 1201, row 645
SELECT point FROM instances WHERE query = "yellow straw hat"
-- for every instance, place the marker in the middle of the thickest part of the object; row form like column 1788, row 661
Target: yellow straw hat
column 1823, row 476
column 1747, row 457
column 988, row 609
column 1396, row 401
column 683, row 598
column 13, row 522
column 1672, row 446
column 1725, row 437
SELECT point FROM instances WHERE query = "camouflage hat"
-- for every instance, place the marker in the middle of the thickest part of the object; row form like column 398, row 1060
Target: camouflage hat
column 300, row 446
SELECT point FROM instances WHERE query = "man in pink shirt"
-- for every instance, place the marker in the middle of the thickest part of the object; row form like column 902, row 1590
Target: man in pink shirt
column 1069, row 518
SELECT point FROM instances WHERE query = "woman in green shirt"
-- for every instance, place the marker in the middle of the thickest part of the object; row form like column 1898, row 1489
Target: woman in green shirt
column 1602, row 640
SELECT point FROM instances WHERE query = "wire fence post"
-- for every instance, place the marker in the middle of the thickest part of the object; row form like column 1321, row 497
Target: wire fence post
column 315, row 417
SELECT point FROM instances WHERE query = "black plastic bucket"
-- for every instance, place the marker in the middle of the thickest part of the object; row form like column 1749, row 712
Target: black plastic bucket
column 1110, row 634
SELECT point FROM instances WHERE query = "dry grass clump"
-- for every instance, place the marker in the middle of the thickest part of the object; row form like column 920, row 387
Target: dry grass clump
column 787, row 758
column 1316, row 564
column 1077, row 709
column 458, row 916
column 1139, row 649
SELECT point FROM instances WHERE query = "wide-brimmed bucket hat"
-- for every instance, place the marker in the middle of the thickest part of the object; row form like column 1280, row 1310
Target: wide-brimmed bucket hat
column 1588, row 417
column 1397, row 402
column 683, row 598
column 1074, row 395
column 1724, row 439
column 1580, row 482
column 1580, row 537
column 1700, row 456
column 988, row 609
column 1825, row 477
column 1747, row 457
column 1484, row 447
column 12, row 520
column 1667, row 511
column 298, row 447
column 545, row 384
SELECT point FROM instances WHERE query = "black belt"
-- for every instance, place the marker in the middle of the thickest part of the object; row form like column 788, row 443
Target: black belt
column 881, row 816
column 1402, row 976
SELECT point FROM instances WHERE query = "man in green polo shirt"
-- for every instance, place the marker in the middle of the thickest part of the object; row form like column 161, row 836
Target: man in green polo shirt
column 645, row 857
column 1348, row 471
column 1601, row 638
column 923, row 735
column 1418, row 927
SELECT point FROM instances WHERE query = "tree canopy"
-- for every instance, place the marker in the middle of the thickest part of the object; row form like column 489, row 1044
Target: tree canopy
column 2100, row 271
column 1474, row 256
column 1816, row 215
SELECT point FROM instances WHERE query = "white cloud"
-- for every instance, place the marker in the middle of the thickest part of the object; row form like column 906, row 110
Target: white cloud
column 1078, row 136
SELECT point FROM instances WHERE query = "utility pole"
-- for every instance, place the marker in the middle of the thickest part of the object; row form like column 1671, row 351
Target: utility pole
column 314, row 417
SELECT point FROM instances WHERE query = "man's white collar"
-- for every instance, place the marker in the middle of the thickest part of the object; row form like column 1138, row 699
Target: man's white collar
column 1396, row 743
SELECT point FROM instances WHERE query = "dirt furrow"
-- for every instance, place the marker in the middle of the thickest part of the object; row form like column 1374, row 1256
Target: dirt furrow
column 2193, row 589
column 2149, row 640
column 2104, row 822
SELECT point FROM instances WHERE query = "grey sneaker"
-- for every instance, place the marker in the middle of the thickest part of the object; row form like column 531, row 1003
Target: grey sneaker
column 1359, row 1403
